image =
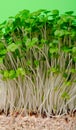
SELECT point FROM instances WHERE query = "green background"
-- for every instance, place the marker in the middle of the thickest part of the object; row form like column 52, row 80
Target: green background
column 11, row 7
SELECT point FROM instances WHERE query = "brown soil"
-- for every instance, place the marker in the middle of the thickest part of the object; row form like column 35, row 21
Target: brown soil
column 21, row 122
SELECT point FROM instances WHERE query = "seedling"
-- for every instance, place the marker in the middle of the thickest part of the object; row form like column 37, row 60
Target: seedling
column 38, row 62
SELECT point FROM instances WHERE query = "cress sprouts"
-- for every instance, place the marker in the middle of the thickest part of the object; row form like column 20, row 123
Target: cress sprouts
column 38, row 62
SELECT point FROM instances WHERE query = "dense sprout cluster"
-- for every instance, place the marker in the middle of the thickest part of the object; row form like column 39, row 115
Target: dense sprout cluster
column 38, row 62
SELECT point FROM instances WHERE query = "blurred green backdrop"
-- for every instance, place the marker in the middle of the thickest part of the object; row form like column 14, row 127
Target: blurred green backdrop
column 11, row 7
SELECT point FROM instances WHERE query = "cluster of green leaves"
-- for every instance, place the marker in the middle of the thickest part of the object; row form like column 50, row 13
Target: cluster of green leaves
column 42, row 39
column 42, row 27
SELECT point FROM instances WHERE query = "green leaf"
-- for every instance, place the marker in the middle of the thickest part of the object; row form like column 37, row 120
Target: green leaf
column 23, row 14
column 31, row 43
column 66, row 49
column 68, row 83
column 65, row 75
column 2, row 25
column 6, row 74
column 74, row 58
column 12, row 74
column 73, row 34
column 12, row 47
column 28, row 42
column 53, row 50
column 34, row 40
column 74, row 23
column 53, row 69
column 74, row 50
column 59, row 33
column 73, row 70
column 64, row 18
column 55, row 12
column 65, row 95
column 1, row 60
column 17, row 23
column 36, row 63
column 28, row 63
column 69, row 12
column 1, row 46
column 3, row 52
column 43, row 41
column 20, row 72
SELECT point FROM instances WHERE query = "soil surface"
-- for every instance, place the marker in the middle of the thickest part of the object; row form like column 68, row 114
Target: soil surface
column 21, row 122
